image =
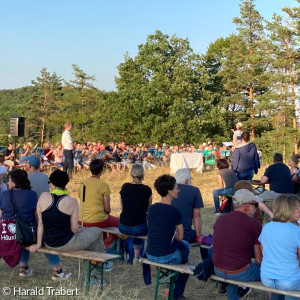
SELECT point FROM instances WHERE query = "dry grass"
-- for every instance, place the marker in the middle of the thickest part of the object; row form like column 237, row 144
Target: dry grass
column 125, row 281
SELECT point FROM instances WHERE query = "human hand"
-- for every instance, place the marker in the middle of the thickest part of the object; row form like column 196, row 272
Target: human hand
column 33, row 248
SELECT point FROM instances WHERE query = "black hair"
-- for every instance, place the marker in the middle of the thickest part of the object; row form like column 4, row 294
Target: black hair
column 277, row 157
column 20, row 179
column 96, row 166
column 163, row 184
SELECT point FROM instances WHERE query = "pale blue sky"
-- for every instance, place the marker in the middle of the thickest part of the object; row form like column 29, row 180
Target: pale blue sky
column 95, row 34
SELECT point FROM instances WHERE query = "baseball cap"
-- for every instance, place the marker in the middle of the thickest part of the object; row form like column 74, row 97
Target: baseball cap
column 33, row 160
column 244, row 196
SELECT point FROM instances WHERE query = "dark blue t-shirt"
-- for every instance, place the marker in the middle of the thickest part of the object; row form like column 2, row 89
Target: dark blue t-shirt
column 280, row 178
column 26, row 201
column 189, row 197
column 162, row 220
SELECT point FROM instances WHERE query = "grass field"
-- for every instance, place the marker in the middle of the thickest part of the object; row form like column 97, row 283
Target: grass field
column 125, row 282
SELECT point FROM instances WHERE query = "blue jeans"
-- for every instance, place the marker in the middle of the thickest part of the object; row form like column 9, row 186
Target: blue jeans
column 251, row 274
column 245, row 176
column 135, row 230
column 287, row 285
column 221, row 192
column 174, row 258
column 53, row 259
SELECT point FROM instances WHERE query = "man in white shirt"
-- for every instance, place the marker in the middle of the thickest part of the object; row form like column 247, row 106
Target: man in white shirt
column 67, row 143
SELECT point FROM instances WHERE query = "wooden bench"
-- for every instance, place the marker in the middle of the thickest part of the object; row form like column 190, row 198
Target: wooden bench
column 257, row 285
column 91, row 261
column 116, row 231
column 167, row 272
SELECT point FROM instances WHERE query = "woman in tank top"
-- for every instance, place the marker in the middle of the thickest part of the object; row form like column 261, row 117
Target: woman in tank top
column 58, row 220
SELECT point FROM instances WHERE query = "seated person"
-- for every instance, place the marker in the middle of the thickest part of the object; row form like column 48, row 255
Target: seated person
column 293, row 164
column 97, row 202
column 9, row 156
column 227, row 176
column 26, row 201
column 279, row 177
column 235, row 236
column 280, row 244
column 58, row 155
column 244, row 184
column 165, row 237
column 189, row 202
column 135, row 199
column 210, row 157
column 58, row 220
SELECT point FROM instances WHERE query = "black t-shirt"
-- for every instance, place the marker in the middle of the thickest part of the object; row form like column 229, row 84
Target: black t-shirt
column 162, row 220
column 7, row 152
column 280, row 178
column 135, row 202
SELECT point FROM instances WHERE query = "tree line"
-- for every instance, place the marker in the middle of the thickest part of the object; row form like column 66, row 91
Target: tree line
column 168, row 93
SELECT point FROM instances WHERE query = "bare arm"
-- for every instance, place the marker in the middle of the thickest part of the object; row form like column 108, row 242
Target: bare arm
column 264, row 179
column 197, row 220
column 107, row 209
column 265, row 209
column 257, row 254
column 40, row 230
column 220, row 182
column 179, row 233
column 74, row 216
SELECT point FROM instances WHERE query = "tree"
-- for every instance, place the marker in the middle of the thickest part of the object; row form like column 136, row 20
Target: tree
column 44, row 104
column 81, row 100
column 243, row 70
column 163, row 91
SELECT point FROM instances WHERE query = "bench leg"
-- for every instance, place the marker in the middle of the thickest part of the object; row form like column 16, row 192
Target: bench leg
column 157, row 283
column 88, row 269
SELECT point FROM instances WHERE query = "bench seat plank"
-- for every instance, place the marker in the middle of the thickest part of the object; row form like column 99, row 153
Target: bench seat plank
column 178, row 268
column 256, row 285
column 82, row 254
column 115, row 230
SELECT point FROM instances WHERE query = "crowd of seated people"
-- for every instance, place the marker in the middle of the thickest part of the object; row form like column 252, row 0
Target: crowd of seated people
column 116, row 156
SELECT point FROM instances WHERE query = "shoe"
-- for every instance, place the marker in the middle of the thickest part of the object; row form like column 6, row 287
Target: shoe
column 217, row 211
column 108, row 266
column 222, row 289
column 244, row 292
column 181, row 298
column 136, row 261
column 24, row 273
column 63, row 275
column 96, row 281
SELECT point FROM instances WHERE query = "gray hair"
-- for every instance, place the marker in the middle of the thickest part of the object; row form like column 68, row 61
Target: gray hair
column 137, row 173
column 181, row 175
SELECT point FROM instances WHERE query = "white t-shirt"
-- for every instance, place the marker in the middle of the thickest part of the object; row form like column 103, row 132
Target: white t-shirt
column 66, row 140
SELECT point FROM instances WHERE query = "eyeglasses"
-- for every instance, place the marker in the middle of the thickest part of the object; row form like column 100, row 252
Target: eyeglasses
column 255, row 204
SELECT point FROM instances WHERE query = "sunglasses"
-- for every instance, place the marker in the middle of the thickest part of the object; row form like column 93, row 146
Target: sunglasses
column 255, row 204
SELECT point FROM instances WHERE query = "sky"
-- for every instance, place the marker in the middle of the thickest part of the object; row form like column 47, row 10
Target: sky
column 96, row 34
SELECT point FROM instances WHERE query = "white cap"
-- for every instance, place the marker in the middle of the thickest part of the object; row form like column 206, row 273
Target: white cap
column 244, row 196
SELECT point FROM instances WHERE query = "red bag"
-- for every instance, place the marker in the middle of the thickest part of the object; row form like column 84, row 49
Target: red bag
column 10, row 249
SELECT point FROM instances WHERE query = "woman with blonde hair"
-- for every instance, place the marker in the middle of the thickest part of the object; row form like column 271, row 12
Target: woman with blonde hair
column 135, row 200
column 280, row 243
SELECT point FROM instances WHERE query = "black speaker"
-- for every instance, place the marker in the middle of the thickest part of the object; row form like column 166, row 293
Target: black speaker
column 17, row 126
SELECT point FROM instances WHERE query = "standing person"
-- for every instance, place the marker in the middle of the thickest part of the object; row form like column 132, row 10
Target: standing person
column 67, row 143
column 135, row 200
column 189, row 202
column 227, row 176
column 280, row 263
column 237, row 134
column 235, row 236
column 210, row 157
column 245, row 160
column 165, row 238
